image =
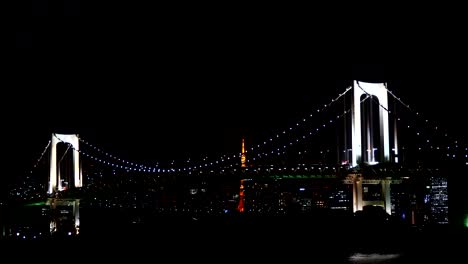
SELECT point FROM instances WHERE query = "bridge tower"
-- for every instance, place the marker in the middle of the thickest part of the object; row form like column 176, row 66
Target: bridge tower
column 54, row 179
column 243, row 157
column 362, row 127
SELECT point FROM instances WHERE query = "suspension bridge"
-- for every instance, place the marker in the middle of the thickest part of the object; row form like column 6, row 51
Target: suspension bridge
column 357, row 150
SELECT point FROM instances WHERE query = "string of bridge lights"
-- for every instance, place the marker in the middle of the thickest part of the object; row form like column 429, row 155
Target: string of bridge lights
column 141, row 167
column 218, row 161
column 155, row 169
column 174, row 170
column 282, row 150
column 105, row 162
column 435, row 127
column 299, row 123
column 397, row 98
column 430, row 146
column 133, row 166
column 42, row 155
column 305, row 167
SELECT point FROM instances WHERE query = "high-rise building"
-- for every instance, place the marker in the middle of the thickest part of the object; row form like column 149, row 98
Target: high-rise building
column 341, row 198
column 438, row 199
column 403, row 203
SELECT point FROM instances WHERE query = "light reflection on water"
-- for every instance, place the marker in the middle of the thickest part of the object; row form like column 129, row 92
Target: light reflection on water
column 374, row 258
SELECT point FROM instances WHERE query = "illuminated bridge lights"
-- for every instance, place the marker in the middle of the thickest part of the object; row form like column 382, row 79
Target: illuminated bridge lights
column 325, row 176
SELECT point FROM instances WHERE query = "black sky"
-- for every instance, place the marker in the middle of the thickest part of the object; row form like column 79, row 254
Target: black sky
column 146, row 81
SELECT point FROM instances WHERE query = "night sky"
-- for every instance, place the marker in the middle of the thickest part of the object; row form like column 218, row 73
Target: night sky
column 153, row 82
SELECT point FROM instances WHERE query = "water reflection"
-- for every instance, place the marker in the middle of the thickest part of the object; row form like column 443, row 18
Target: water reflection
column 374, row 258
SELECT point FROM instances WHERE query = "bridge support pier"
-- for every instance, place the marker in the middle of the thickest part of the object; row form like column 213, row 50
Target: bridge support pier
column 60, row 215
column 357, row 193
column 358, row 183
column 386, row 194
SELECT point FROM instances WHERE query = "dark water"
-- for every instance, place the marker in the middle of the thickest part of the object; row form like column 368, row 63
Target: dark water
column 113, row 236
column 259, row 244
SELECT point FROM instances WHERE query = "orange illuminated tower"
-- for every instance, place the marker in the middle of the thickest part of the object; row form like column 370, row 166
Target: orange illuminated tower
column 243, row 158
column 240, row 206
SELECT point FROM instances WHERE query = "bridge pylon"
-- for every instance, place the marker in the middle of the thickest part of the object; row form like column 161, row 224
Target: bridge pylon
column 363, row 128
column 54, row 177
